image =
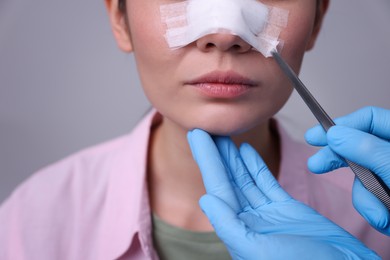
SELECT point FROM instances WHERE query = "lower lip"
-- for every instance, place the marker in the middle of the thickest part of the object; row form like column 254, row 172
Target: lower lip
column 220, row 90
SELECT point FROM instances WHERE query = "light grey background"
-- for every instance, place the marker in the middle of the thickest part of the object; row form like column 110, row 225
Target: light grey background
column 64, row 85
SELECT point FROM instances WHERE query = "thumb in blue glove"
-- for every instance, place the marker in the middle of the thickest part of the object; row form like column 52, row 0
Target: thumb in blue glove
column 362, row 137
column 254, row 216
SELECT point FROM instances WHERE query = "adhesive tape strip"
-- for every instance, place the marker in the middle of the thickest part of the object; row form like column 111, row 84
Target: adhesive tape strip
column 256, row 23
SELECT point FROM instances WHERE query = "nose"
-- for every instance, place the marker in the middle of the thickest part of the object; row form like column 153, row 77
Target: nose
column 223, row 42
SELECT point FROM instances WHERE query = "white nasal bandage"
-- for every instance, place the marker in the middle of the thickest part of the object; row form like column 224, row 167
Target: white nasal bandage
column 256, row 23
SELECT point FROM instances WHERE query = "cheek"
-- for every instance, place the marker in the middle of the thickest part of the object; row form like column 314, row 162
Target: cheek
column 147, row 33
column 297, row 34
column 154, row 59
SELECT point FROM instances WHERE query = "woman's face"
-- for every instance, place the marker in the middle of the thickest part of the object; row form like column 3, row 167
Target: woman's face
column 217, row 83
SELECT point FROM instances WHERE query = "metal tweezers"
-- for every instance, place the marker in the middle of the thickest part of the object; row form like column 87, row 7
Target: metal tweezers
column 370, row 181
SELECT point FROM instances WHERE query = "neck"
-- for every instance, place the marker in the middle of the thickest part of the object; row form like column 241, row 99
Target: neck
column 175, row 182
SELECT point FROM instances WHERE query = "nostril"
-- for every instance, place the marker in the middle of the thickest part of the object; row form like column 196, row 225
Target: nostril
column 223, row 42
column 210, row 45
column 236, row 47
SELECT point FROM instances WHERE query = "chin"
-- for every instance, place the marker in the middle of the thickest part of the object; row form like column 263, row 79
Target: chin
column 229, row 127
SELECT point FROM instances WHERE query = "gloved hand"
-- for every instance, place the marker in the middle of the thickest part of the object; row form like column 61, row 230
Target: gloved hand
column 361, row 137
column 254, row 216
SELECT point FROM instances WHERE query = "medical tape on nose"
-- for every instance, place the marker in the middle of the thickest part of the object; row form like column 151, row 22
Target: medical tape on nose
column 257, row 24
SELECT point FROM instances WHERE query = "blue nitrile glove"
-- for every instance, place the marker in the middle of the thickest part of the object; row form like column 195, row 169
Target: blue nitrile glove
column 254, row 216
column 361, row 137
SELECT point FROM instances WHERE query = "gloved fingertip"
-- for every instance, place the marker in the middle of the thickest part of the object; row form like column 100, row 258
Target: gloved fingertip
column 315, row 136
column 209, row 204
column 312, row 165
column 189, row 137
column 316, row 164
column 192, row 135
column 371, row 208
column 376, row 215
column 189, row 134
column 203, row 202
column 309, row 136
column 190, row 142
column 245, row 146
column 197, row 131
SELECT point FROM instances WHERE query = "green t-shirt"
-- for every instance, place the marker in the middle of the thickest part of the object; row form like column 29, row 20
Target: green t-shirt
column 174, row 243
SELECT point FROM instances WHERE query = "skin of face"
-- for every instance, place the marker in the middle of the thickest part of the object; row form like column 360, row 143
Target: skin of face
column 165, row 73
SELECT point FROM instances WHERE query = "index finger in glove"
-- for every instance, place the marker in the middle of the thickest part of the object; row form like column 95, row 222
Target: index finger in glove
column 214, row 174
column 325, row 160
column 240, row 174
column 372, row 120
column 261, row 174
column 365, row 149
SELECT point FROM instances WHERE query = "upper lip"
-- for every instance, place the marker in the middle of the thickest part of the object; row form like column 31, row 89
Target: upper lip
column 223, row 77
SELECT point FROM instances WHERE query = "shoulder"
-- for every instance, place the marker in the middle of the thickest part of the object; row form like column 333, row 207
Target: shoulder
column 72, row 198
column 91, row 168
column 84, row 169
column 60, row 189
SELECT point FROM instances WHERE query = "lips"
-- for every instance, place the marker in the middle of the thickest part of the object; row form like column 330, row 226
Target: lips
column 219, row 84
